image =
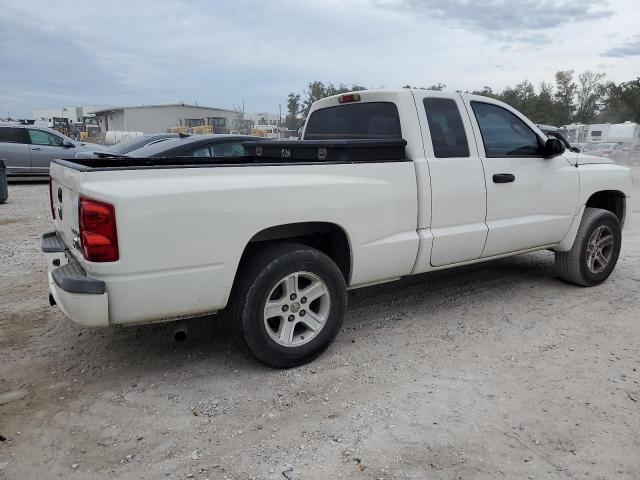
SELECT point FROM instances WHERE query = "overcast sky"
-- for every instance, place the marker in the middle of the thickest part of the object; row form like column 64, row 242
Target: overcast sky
column 220, row 53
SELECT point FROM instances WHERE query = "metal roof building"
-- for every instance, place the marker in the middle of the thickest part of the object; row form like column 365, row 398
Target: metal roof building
column 158, row 118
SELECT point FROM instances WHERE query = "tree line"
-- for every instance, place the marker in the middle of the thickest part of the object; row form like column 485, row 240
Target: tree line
column 585, row 98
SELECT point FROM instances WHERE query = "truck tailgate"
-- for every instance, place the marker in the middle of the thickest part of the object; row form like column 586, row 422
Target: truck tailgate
column 64, row 201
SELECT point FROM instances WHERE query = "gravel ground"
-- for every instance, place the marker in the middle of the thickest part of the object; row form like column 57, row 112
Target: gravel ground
column 491, row 371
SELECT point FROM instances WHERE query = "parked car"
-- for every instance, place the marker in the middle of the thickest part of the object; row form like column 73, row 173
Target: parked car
column 29, row 149
column 589, row 148
column 186, row 145
column 634, row 153
column 135, row 143
column 383, row 185
column 610, row 150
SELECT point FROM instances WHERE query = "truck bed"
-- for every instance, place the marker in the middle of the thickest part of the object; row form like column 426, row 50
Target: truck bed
column 262, row 153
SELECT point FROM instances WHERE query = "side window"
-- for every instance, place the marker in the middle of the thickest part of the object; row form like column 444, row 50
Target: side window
column 227, row 149
column 38, row 137
column 12, row 135
column 201, row 152
column 504, row 134
column 446, row 127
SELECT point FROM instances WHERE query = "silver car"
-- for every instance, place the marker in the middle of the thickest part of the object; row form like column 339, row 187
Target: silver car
column 27, row 150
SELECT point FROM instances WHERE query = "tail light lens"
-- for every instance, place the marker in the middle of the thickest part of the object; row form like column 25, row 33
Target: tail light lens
column 53, row 212
column 98, row 234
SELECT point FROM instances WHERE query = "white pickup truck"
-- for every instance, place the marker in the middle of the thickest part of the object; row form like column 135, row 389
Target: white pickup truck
column 384, row 184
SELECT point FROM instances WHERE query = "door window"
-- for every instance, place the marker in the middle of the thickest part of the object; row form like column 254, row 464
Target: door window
column 12, row 135
column 503, row 133
column 447, row 130
column 38, row 137
column 227, row 149
column 200, row 152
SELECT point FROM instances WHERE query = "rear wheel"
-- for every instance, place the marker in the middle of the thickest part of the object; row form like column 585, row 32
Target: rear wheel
column 289, row 305
column 595, row 250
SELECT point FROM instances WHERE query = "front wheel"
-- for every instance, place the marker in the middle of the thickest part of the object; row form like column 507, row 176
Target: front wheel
column 595, row 250
column 290, row 303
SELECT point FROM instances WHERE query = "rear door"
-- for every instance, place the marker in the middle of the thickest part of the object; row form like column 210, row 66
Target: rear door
column 14, row 150
column 531, row 200
column 458, row 193
column 45, row 147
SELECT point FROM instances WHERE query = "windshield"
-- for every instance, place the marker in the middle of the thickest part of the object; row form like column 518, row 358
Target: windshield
column 128, row 145
column 158, row 147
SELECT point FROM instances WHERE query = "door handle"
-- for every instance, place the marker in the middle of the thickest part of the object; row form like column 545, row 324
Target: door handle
column 503, row 178
column 36, row 148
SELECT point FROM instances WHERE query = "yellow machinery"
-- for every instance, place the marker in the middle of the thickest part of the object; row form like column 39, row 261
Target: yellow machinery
column 195, row 130
column 202, row 129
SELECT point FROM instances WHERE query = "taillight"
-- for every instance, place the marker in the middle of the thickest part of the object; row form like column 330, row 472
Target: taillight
column 98, row 234
column 349, row 97
column 53, row 212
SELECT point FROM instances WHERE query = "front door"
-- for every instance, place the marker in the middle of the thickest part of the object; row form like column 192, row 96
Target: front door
column 458, row 195
column 46, row 146
column 531, row 200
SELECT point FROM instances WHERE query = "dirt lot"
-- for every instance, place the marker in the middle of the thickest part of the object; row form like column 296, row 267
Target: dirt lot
column 491, row 371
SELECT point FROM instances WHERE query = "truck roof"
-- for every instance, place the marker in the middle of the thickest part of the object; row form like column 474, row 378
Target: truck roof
column 394, row 95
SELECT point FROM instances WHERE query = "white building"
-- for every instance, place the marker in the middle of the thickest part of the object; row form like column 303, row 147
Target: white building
column 264, row 118
column 72, row 113
column 158, row 118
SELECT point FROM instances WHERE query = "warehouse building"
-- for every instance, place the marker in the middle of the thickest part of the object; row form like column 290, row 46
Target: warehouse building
column 159, row 118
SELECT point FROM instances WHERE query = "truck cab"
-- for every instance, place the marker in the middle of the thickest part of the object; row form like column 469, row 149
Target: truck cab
column 486, row 185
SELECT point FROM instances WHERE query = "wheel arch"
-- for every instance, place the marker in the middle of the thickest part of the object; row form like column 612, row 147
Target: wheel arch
column 329, row 238
column 613, row 201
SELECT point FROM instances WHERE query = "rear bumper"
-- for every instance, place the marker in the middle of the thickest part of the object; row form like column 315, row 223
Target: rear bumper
column 81, row 298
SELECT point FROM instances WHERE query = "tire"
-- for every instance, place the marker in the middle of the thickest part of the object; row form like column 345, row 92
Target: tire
column 289, row 330
column 599, row 230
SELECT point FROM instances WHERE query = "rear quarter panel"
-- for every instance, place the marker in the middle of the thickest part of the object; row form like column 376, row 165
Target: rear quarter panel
column 182, row 232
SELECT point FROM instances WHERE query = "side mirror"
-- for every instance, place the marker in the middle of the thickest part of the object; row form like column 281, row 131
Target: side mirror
column 552, row 148
column 67, row 144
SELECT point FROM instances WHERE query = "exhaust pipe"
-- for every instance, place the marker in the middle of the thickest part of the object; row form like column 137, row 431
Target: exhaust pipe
column 180, row 332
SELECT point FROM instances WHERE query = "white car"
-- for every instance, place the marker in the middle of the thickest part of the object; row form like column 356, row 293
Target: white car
column 385, row 184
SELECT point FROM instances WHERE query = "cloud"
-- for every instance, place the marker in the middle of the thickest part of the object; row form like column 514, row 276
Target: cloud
column 501, row 18
column 39, row 67
column 630, row 49
column 225, row 53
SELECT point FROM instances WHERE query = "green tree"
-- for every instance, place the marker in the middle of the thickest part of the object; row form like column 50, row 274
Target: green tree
column 590, row 94
column 437, row 86
column 545, row 107
column 318, row 90
column 622, row 102
column 485, row 92
column 564, row 97
column 292, row 120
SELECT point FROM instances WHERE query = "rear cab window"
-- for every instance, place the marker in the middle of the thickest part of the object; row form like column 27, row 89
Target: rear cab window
column 371, row 120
